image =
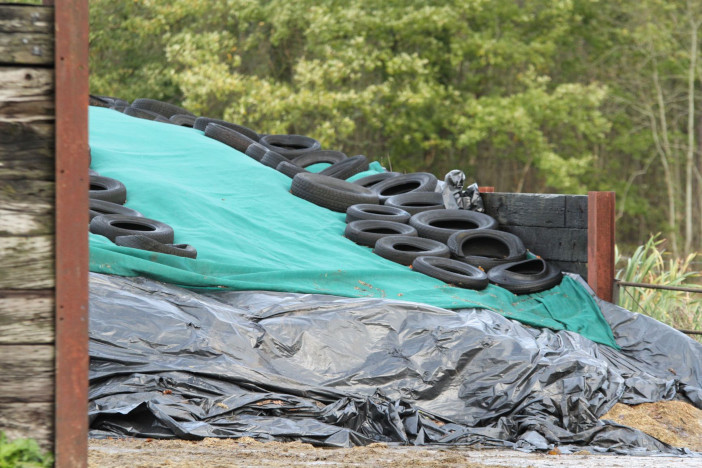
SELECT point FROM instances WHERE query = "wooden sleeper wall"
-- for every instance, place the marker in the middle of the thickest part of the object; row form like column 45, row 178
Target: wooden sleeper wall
column 551, row 226
column 27, row 222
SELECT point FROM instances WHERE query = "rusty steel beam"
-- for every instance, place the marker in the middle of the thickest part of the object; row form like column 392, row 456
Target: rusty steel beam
column 600, row 243
column 71, row 67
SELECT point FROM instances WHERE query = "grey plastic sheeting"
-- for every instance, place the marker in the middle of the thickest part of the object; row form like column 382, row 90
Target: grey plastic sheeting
column 168, row 362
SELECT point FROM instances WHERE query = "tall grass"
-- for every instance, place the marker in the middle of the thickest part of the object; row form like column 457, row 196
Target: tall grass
column 650, row 263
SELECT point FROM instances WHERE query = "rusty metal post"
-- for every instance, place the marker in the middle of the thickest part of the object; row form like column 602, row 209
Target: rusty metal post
column 600, row 243
column 71, row 67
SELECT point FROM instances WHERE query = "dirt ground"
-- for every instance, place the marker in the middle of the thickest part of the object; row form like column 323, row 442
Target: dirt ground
column 674, row 422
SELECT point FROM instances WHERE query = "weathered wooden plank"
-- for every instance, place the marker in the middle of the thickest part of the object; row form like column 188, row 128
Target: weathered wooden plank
column 27, row 373
column 578, row 268
column 17, row 18
column 26, row 316
column 26, row 35
column 526, row 209
column 27, row 150
column 29, row 420
column 561, row 244
column 26, row 93
column 576, row 211
column 27, row 262
column 26, row 123
column 26, row 207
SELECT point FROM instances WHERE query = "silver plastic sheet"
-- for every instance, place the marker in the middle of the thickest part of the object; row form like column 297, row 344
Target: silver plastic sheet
column 174, row 363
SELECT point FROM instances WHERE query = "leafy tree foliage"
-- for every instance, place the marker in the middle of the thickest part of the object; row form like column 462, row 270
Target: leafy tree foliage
column 533, row 95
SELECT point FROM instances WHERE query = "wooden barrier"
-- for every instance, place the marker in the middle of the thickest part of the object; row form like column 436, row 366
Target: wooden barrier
column 43, row 219
column 27, row 204
column 574, row 232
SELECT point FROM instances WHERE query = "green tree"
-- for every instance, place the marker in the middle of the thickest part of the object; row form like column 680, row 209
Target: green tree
column 418, row 85
column 654, row 100
column 536, row 95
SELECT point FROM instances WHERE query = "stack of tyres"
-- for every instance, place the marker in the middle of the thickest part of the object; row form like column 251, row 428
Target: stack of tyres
column 401, row 216
column 125, row 226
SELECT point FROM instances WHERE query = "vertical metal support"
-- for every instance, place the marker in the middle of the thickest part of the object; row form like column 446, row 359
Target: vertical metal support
column 600, row 243
column 71, row 63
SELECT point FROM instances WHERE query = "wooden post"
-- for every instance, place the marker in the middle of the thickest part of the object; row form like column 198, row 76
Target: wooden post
column 600, row 243
column 71, row 62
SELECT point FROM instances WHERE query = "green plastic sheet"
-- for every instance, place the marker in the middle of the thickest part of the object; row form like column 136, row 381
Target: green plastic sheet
column 251, row 233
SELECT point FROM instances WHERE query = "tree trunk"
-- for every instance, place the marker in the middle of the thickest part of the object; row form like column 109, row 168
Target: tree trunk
column 689, row 160
column 665, row 153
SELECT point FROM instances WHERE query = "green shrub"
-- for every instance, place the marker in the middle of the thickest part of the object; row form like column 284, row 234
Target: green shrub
column 651, row 264
column 23, row 453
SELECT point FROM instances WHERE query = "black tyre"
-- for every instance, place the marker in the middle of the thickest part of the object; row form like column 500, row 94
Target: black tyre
column 111, row 101
column 371, row 180
column 115, row 225
column 331, row 193
column 290, row 146
column 138, row 241
column 404, row 249
column 119, row 107
column 414, row 182
column 486, row 248
column 105, row 188
column 92, row 173
column 256, row 151
column 229, row 137
column 368, row 231
column 526, row 277
column 417, row 202
column 289, row 169
column 202, row 122
column 118, row 101
column 101, row 207
column 318, row 157
column 452, row 272
column 145, row 114
column 100, row 101
column 163, row 108
column 272, row 159
column 184, row 120
column 376, row 212
column 347, row 168
column 440, row 224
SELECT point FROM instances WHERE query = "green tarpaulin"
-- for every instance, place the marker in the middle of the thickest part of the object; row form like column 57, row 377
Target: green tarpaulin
column 251, row 233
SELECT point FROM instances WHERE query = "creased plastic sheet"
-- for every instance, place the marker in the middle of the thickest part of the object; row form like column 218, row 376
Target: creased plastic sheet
column 168, row 362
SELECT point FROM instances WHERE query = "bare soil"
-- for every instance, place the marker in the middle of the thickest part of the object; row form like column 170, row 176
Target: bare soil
column 246, row 452
column 674, row 422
